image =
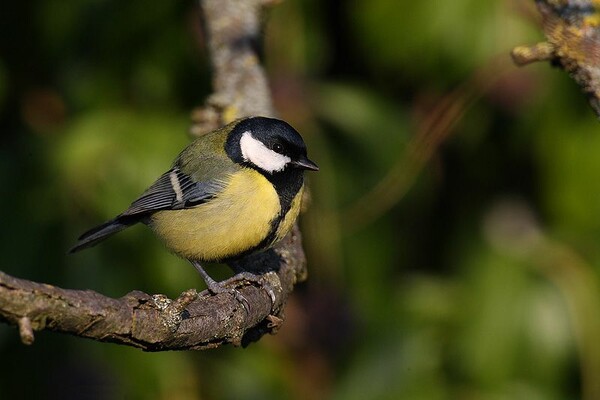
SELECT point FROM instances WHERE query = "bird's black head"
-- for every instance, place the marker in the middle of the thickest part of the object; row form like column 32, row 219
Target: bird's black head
column 268, row 145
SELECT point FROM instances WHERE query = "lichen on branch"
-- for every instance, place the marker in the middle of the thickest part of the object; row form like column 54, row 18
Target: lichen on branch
column 572, row 30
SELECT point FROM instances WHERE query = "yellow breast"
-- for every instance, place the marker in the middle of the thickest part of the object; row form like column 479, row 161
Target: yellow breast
column 235, row 221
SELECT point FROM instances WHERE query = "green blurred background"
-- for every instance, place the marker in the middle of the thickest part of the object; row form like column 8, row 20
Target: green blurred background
column 452, row 234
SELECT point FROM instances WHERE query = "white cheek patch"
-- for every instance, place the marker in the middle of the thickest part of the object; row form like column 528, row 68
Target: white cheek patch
column 257, row 153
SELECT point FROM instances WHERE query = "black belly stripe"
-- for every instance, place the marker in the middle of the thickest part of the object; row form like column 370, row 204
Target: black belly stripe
column 287, row 185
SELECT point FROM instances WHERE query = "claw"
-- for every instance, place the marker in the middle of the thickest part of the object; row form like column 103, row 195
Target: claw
column 258, row 279
column 217, row 288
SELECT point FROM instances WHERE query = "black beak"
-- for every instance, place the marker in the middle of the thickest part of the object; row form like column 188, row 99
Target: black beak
column 304, row 163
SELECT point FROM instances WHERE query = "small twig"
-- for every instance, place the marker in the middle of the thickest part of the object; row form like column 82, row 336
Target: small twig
column 523, row 55
column 25, row 330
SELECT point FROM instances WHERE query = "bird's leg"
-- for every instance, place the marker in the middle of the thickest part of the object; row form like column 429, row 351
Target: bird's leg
column 215, row 287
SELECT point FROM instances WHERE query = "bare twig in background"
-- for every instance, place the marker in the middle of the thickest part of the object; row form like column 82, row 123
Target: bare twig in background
column 192, row 321
column 572, row 29
column 432, row 131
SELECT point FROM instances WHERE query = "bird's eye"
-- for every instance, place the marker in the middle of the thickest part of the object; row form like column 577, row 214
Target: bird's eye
column 277, row 147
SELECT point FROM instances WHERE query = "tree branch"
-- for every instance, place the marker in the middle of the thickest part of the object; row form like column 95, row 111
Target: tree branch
column 154, row 323
column 240, row 84
column 572, row 29
column 193, row 320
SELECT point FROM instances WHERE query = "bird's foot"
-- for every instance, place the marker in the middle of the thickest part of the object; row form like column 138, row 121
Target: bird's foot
column 219, row 287
column 259, row 280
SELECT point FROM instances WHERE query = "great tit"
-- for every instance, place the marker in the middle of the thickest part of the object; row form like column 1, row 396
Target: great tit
column 232, row 192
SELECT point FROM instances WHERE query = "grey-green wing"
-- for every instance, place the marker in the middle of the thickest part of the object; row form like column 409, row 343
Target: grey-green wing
column 198, row 174
column 172, row 191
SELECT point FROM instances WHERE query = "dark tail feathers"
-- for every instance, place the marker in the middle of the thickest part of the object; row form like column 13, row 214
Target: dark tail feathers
column 101, row 232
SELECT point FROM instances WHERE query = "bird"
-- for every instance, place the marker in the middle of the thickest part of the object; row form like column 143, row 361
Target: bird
column 234, row 191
